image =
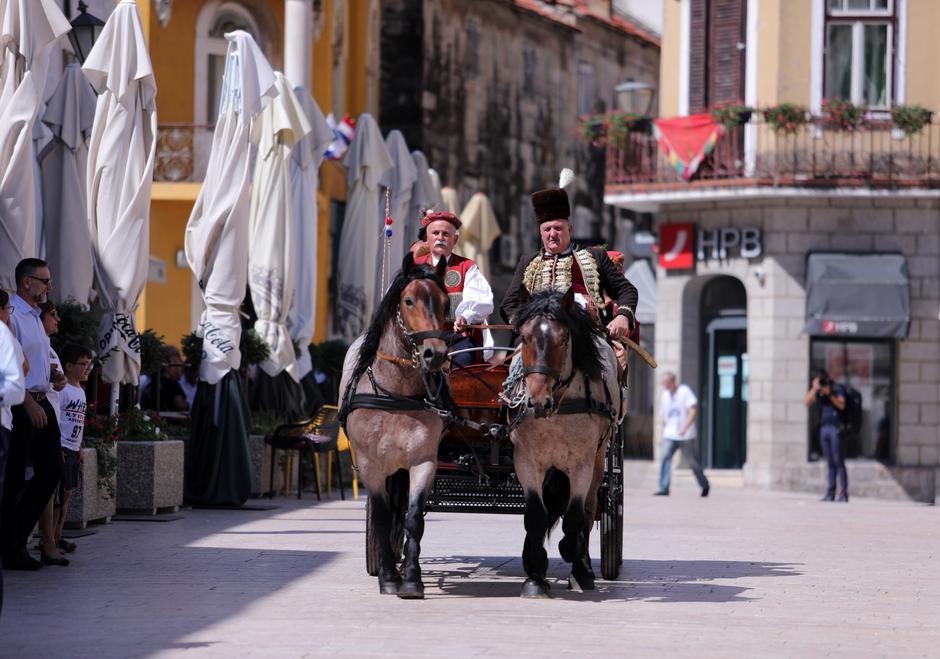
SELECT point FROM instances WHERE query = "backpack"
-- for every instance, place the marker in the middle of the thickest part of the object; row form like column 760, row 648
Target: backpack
column 852, row 414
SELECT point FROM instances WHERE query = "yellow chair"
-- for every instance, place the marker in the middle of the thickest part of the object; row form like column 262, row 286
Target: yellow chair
column 342, row 444
column 314, row 436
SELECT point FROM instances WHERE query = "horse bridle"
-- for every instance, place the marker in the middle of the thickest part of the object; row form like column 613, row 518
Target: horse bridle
column 412, row 338
column 554, row 373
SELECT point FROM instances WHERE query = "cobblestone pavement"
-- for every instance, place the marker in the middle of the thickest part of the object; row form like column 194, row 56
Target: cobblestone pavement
column 741, row 573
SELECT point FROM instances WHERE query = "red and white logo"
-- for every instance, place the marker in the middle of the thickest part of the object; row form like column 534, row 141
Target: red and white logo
column 675, row 246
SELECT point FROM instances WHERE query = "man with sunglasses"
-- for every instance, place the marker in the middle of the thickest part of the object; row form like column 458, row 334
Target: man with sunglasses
column 35, row 431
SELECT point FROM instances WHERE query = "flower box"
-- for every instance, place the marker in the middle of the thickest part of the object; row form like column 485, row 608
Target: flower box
column 91, row 502
column 150, row 475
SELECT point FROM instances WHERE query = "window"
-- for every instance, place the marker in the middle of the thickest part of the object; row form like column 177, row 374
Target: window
column 214, row 22
column 859, row 56
column 868, row 368
column 585, row 88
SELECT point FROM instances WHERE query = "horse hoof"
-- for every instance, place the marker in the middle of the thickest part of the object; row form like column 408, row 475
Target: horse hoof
column 581, row 582
column 389, row 587
column 411, row 590
column 535, row 589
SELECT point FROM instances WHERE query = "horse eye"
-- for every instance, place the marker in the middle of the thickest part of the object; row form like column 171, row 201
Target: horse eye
column 409, row 302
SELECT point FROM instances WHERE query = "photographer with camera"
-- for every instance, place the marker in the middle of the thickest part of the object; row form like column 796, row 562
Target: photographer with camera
column 830, row 397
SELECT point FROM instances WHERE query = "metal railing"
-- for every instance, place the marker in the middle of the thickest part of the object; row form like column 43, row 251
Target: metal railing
column 816, row 154
column 182, row 152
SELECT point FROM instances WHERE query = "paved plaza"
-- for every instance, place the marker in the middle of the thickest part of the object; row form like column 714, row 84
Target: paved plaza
column 741, row 573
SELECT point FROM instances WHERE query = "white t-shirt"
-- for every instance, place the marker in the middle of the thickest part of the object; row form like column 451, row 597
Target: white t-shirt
column 72, row 407
column 674, row 409
column 52, row 394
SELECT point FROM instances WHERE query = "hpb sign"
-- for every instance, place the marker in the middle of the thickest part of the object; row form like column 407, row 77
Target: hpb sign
column 677, row 251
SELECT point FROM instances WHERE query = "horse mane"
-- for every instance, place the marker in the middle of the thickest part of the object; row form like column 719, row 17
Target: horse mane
column 579, row 323
column 388, row 309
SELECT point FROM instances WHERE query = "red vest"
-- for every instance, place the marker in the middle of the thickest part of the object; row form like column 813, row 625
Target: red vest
column 454, row 278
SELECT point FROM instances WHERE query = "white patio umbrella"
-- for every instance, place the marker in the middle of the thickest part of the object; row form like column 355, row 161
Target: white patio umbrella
column 305, row 178
column 29, row 30
column 367, row 160
column 120, row 175
column 424, row 194
column 479, row 231
column 69, row 116
column 272, row 256
column 400, row 179
column 449, row 200
column 216, row 240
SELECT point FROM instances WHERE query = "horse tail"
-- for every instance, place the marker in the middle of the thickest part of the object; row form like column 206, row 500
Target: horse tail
column 556, row 490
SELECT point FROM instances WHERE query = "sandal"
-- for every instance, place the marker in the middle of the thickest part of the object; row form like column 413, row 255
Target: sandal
column 66, row 546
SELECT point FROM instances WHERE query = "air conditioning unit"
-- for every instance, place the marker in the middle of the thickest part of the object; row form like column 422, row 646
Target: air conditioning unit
column 509, row 250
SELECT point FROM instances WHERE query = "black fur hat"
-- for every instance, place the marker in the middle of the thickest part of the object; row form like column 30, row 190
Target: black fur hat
column 551, row 204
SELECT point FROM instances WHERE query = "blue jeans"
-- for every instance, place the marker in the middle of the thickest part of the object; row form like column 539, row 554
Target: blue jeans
column 670, row 446
column 834, row 449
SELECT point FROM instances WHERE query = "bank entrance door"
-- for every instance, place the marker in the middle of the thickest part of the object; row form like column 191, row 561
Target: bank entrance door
column 724, row 399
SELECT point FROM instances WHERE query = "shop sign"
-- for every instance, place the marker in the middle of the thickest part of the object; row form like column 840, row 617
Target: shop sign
column 677, row 251
column 839, row 327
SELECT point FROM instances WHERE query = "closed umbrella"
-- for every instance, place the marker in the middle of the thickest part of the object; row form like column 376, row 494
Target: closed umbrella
column 29, row 30
column 424, row 194
column 449, row 200
column 305, row 179
column 272, row 256
column 69, row 116
column 218, row 470
column 121, row 153
column 479, row 231
column 367, row 160
column 399, row 180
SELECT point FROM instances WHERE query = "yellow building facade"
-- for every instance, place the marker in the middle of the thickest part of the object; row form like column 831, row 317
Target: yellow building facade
column 187, row 49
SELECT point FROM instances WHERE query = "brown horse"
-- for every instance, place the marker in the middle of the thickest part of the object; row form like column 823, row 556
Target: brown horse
column 572, row 402
column 388, row 376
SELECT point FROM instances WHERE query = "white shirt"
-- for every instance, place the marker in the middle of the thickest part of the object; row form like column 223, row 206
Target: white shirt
column 32, row 337
column 71, row 410
column 674, row 410
column 52, row 395
column 12, row 382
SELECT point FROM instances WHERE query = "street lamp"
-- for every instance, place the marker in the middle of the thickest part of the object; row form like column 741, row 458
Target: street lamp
column 636, row 97
column 85, row 31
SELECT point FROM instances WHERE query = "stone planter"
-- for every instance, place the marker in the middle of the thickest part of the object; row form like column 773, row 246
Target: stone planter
column 261, row 468
column 91, row 503
column 150, row 475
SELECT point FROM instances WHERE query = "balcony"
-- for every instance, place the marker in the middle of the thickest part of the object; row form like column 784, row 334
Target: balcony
column 753, row 160
column 182, row 152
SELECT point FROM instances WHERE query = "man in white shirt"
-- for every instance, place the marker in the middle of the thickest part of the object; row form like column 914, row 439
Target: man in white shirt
column 678, row 409
column 471, row 298
column 12, row 391
column 35, row 431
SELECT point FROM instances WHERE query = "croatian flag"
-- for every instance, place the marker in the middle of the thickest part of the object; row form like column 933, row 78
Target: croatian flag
column 342, row 136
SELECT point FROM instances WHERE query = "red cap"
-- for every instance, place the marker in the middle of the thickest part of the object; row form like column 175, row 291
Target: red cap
column 436, row 216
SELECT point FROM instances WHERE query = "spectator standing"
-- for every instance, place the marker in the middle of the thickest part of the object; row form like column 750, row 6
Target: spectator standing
column 678, row 408
column 830, row 396
column 77, row 362
column 33, row 433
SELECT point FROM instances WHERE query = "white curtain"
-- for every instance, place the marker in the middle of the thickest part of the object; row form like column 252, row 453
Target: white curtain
column 29, row 30
column 305, row 179
column 217, row 232
column 121, row 153
column 272, row 262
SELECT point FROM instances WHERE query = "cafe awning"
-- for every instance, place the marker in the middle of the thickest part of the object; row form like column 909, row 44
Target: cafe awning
column 863, row 295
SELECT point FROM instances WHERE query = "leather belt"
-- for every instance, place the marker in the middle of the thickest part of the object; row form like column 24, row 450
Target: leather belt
column 38, row 396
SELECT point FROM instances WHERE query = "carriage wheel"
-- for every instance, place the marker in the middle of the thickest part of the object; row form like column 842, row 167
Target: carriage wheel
column 373, row 553
column 612, row 512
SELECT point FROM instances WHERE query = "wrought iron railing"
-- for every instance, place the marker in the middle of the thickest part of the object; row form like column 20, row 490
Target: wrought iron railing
column 879, row 156
column 182, row 152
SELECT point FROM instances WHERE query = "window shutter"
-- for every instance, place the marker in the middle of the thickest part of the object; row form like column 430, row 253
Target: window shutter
column 698, row 56
column 726, row 51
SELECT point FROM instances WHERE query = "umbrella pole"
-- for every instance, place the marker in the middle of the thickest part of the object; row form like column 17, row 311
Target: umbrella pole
column 115, row 394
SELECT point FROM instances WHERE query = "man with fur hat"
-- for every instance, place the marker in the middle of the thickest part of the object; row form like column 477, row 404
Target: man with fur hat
column 560, row 265
column 471, row 298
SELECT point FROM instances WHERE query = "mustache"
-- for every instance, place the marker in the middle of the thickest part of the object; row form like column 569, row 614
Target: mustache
column 440, row 243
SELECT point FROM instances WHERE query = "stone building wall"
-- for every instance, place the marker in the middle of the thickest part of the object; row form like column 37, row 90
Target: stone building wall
column 779, row 352
column 489, row 92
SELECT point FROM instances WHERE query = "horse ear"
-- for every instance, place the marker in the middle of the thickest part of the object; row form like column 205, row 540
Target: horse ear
column 441, row 268
column 408, row 264
column 568, row 299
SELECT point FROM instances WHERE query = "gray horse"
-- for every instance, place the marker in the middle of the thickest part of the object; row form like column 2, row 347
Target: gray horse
column 573, row 403
column 387, row 375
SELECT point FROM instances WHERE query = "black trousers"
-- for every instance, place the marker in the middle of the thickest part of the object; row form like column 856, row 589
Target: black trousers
column 22, row 505
column 4, row 448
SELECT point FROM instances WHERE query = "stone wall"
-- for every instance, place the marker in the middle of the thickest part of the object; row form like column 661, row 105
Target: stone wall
column 779, row 352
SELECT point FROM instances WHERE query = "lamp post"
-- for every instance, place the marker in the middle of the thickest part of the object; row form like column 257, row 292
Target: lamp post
column 636, row 97
column 85, row 30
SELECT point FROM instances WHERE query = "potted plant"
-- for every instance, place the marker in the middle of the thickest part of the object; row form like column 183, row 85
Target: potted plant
column 150, row 464
column 731, row 113
column 612, row 127
column 840, row 114
column 95, row 500
column 785, row 118
column 910, row 119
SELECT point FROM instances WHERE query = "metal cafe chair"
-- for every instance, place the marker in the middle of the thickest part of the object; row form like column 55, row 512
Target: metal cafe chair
column 312, row 436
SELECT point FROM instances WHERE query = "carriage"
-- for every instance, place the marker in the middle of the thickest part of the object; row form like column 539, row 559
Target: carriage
column 475, row 466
